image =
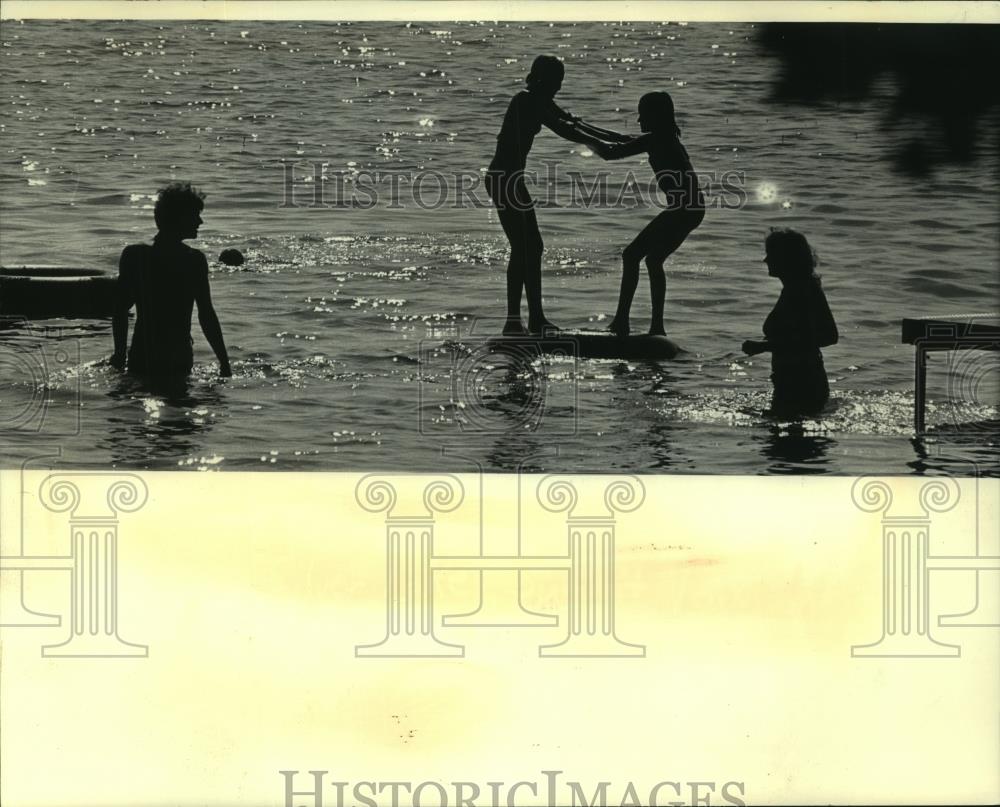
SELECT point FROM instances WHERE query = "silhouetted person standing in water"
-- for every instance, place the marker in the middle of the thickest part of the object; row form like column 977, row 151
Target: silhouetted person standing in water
column 527, row 112
column 164, row 281
column 685, row 207
column 795, row 330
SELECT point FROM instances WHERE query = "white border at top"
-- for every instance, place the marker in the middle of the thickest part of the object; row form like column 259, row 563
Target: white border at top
column 550, row 11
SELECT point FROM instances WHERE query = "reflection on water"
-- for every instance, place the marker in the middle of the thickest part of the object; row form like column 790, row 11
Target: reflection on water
column 658, row 383
column 795, row 450
column 508, row 408
column 661, row 444
column 962, row 449
column 149, row 422
column 521, row 451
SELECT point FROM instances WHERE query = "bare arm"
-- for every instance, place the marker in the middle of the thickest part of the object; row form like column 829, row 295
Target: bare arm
column 603, row 134
column 122, row 305
column 209, row 320
column 568, row 127
column 573, row 132
column 588, row 129
column 770, row 344
column 631, row 147
column 754, row 346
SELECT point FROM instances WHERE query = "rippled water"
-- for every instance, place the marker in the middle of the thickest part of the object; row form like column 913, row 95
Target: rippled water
column 356, row 334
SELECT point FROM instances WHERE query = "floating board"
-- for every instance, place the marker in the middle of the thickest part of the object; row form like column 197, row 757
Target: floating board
column 591, row 345
column 48, row 292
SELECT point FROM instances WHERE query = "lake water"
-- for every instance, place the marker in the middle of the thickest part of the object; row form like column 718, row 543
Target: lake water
column 354, row 332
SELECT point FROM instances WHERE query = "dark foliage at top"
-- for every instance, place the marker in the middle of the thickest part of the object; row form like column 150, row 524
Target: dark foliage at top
column 945, row 98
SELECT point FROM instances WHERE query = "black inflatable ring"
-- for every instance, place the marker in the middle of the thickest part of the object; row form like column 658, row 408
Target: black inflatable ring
column 46, row 292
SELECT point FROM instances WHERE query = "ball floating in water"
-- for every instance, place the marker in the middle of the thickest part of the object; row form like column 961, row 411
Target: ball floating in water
column 231, row 257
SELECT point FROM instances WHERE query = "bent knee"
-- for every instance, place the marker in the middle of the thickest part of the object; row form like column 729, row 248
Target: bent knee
column 654, row 265
column 631, row 255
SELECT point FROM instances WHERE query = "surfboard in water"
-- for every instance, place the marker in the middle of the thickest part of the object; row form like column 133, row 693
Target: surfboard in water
column 44, row 292
column 592, row 345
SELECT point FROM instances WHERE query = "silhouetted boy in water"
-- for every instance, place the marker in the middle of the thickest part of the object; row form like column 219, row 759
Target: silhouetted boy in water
column 684, row 211
column 527, row 112
column 164, row 281
column 795, row 330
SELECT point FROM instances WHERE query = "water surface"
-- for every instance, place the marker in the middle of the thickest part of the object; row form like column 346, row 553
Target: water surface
column 346, row 326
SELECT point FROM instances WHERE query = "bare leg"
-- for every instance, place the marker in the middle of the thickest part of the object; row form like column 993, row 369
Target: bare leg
column 537, row 322
column 672, row 239
column 657, row 293
column 524, row 269
column 630, row 281
column 515, row 282
column 518, row 228
column 658, row 240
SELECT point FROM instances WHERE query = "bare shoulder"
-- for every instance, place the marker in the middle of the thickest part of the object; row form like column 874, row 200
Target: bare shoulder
column 535, row 102
column 133, row 255
column 195, row 258
column 135, row 250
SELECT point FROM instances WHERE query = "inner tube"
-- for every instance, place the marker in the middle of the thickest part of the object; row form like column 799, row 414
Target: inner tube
column 50, row 292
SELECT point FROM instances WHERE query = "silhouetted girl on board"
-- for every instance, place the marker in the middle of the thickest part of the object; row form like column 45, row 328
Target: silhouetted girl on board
column 685, row 205
column 795, row 330
column 527, row 112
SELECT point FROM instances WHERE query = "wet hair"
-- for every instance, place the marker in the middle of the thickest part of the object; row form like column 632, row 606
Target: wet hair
column 792, row 250
column 175, row 201
column 545, row 70
column 659, row 108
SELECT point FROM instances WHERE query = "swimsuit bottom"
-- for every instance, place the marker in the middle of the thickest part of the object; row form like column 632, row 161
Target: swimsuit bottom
column 508, row 190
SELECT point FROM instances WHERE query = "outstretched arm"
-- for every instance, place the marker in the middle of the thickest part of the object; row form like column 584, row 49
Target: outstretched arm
column 567, row 126
column 631, row 147
column 123, row 304
column 588, row 129
column 754, row 346
column 603, row 134
column 574, row 132
column 209, row 321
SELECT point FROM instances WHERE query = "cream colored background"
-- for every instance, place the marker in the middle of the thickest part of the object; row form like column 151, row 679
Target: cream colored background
column 875, row 11
column 252, row 590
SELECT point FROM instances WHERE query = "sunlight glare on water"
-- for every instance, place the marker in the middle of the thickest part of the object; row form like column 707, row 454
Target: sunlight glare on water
column 343, row 322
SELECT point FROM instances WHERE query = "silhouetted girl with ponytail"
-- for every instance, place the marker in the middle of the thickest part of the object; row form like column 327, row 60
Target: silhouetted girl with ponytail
column 684, row 210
